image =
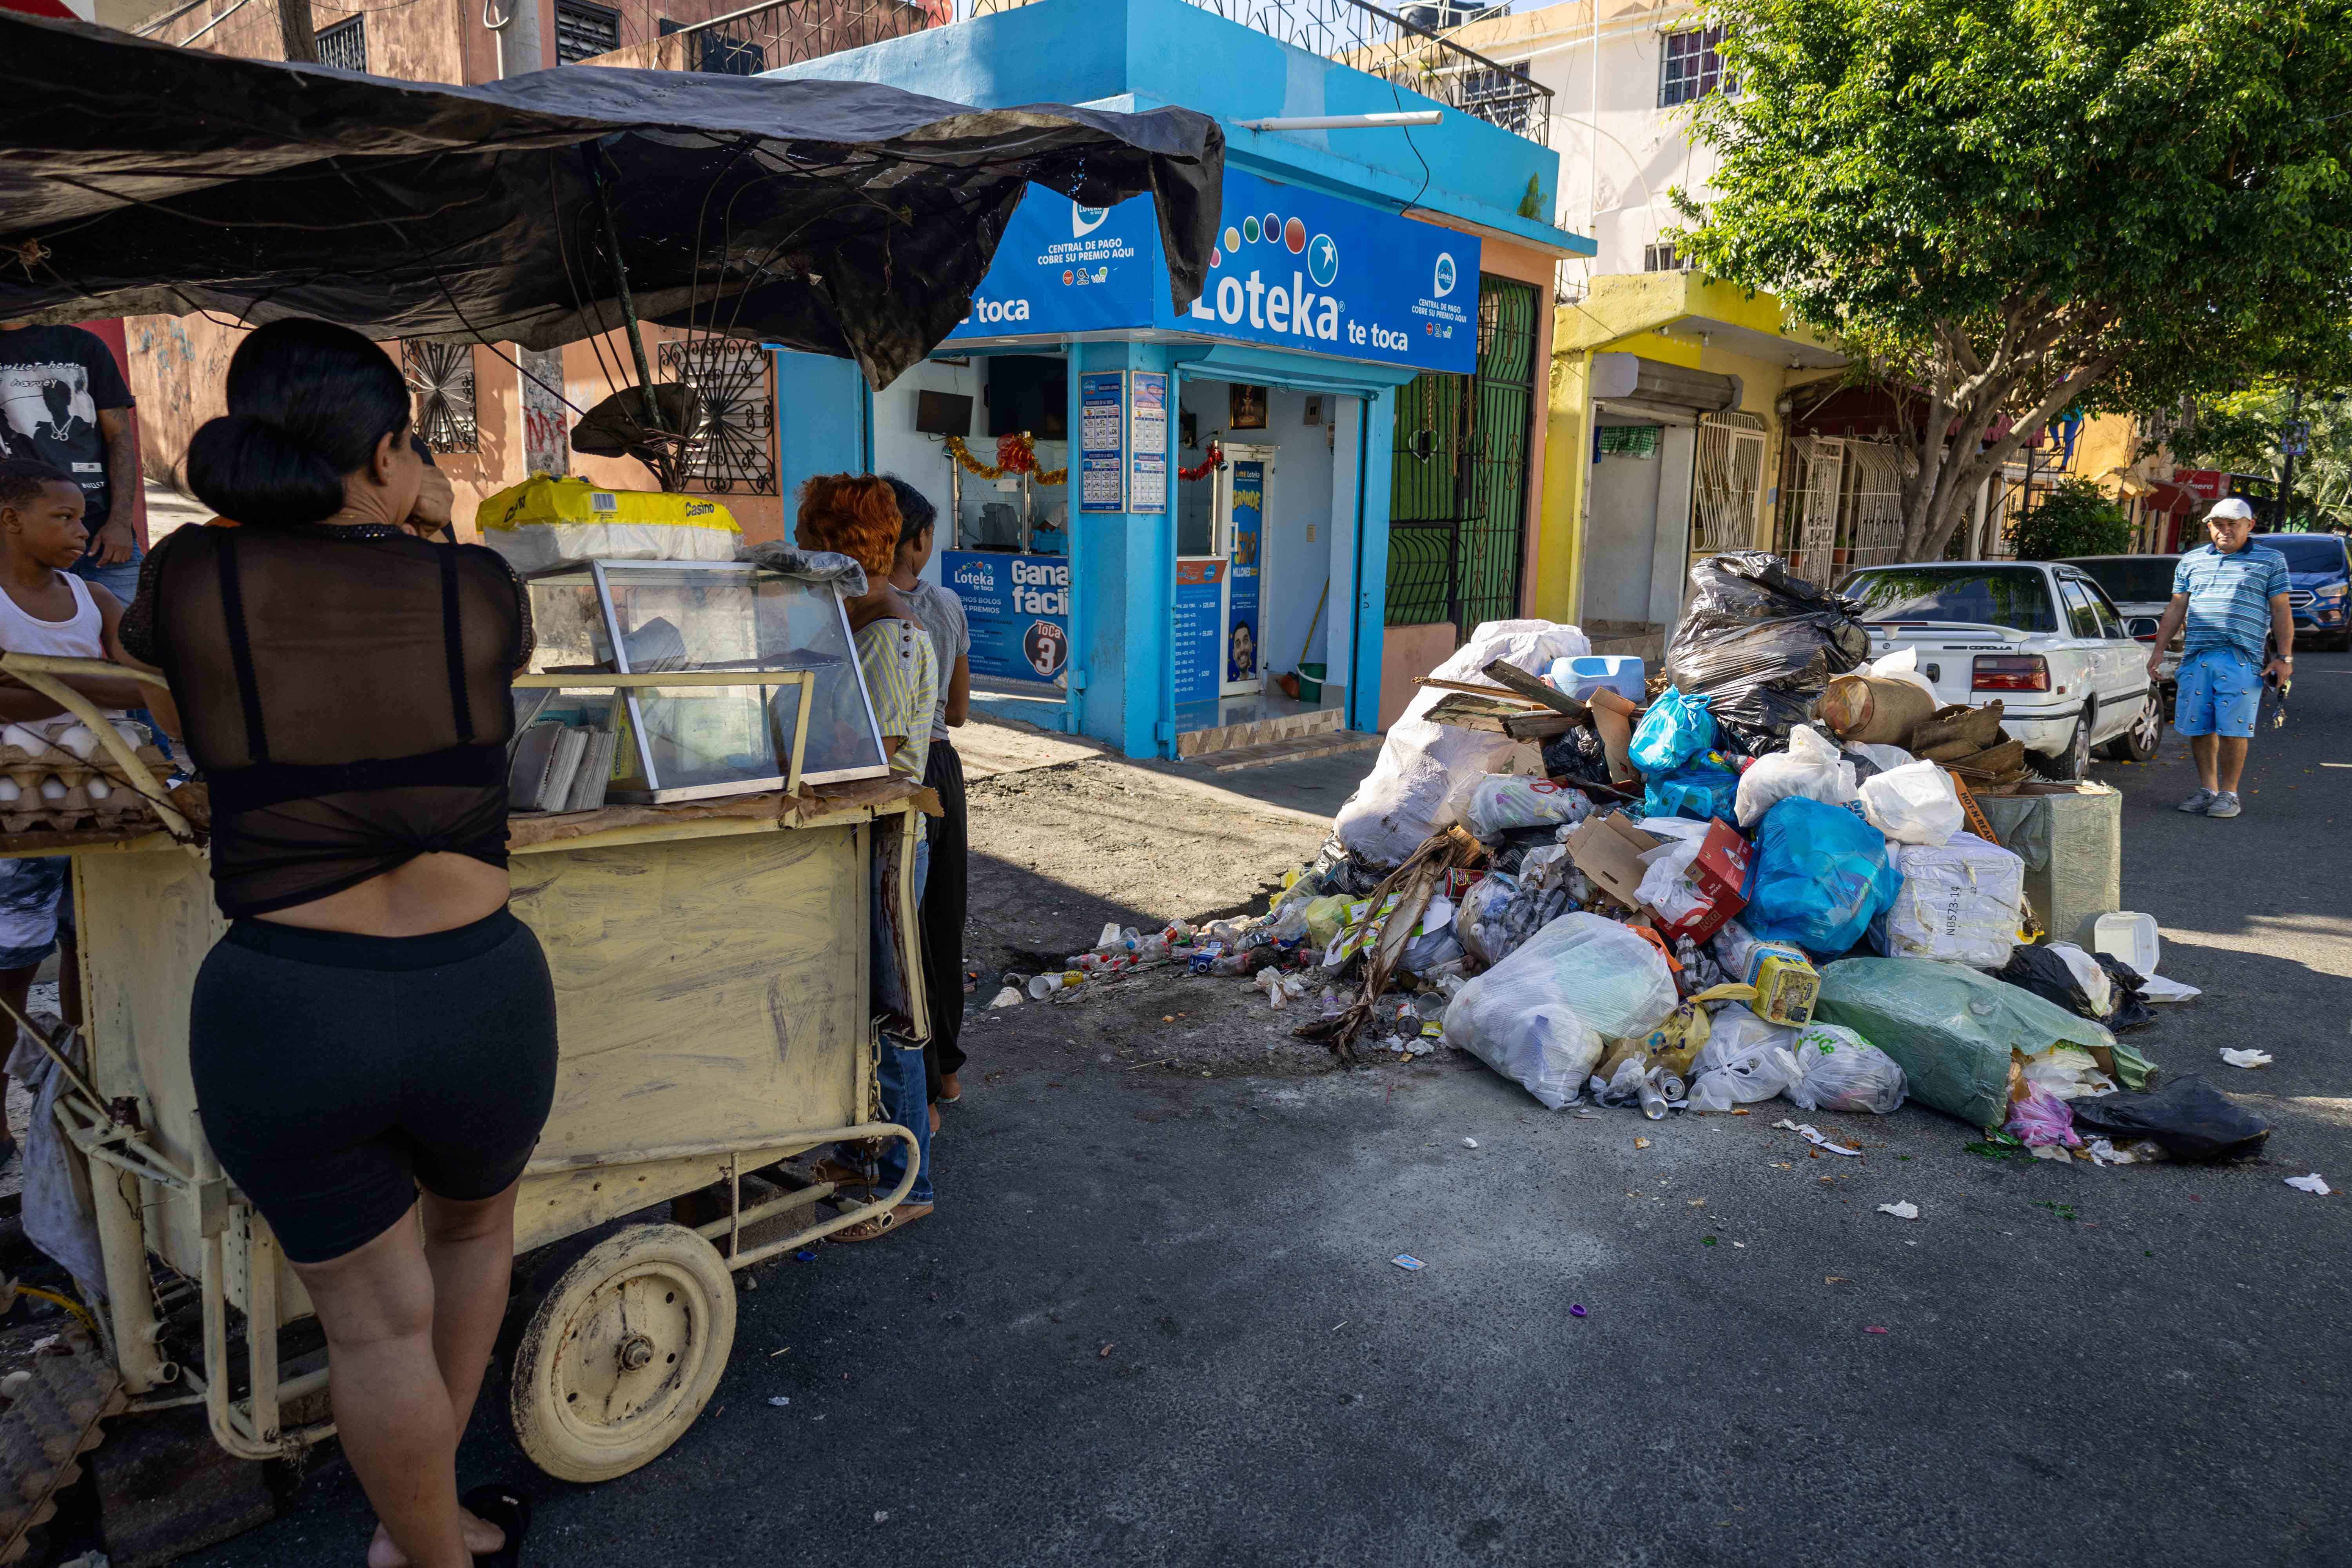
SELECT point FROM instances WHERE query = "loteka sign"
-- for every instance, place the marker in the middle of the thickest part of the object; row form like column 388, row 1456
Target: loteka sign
column 1292, row 268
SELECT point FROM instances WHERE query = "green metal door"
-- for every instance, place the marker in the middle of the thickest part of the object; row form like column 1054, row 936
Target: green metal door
column 1458, row 487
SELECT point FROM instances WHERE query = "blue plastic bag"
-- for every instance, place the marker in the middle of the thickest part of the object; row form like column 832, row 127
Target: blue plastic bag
column 1820, row 877
column 1676, row 729
column 1698, row 792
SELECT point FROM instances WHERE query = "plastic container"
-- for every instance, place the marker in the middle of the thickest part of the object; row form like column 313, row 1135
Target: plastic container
column 1585, row 673
column 2128, row 936
column 1310, row 682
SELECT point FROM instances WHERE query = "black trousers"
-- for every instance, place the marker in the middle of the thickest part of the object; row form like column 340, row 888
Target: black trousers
column 945, row 891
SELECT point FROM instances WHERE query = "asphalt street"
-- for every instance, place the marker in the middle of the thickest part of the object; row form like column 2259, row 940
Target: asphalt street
column 1155, row 1317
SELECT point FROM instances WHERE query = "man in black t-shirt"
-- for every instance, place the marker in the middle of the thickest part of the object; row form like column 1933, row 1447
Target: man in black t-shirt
column 63, row 402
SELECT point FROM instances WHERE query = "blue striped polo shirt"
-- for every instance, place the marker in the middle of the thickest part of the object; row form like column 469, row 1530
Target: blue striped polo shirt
column 2229, row 597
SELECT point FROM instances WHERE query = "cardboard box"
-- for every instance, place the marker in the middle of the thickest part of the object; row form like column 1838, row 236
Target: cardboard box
column 1608, row 849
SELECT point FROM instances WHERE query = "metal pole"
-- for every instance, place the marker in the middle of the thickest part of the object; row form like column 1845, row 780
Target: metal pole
column 648, row 409
column 2294, row 436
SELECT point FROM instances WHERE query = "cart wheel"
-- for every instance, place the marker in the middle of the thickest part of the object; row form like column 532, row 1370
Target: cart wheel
column 621, row 1356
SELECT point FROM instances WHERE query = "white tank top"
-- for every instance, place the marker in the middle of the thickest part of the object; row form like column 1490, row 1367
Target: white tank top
column 83, row 636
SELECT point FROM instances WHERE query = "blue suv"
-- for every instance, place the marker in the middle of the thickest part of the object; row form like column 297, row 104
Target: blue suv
column 2319, row 585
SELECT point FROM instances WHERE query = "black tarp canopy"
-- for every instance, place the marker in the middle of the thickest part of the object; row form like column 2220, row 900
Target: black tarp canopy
column 837, row 216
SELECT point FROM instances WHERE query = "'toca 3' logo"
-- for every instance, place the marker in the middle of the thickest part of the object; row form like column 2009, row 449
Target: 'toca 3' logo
column 1084, row 221
column 1443, row 283
column 998, row 310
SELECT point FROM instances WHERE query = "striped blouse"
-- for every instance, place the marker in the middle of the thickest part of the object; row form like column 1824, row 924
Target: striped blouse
column 902, row 677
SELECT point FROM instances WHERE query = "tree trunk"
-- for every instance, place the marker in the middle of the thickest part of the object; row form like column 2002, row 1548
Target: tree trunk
column 294, row 31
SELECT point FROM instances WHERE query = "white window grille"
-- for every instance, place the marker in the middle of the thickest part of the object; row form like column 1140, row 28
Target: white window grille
column 1874, row 512
column 1810, row 505
column 1729, row 477
column 344, row 45
column 1690, row 66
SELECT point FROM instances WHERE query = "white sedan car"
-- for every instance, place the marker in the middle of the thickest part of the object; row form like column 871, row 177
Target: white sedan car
column 2040, row 636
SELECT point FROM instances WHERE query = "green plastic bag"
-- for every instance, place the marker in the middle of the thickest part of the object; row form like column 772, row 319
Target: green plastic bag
column 1951, row 1028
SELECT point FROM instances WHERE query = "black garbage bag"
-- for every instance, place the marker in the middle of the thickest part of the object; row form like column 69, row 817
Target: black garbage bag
column 2188, row 1118
column 1578, row 758
column 2131, row 1010
column 2043, row 973
column 1763, row 645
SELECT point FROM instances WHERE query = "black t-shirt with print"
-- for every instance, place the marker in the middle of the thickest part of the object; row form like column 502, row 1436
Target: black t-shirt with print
column 53, row 382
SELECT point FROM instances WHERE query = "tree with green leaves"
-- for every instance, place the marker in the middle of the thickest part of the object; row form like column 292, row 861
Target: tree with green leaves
column 2010, row 208
column 2243, row 433
column 2073, row 519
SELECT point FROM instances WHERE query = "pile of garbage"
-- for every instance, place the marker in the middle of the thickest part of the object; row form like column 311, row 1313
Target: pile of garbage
column 1765, row 876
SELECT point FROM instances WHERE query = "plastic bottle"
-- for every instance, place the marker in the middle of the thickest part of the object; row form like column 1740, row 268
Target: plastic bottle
column 1231, row 963
column 1153, row 946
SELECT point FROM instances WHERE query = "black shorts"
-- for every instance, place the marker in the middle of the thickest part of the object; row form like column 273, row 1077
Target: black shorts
column 336, row 1073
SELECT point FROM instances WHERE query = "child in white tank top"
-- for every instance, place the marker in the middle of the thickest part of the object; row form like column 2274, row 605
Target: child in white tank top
column 45, row 609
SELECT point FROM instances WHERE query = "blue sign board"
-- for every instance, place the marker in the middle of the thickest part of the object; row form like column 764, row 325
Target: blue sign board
column 1293, row 269
column 1019, row 609
column 1195, row 650
column 1243, row 637
column 1102, row 441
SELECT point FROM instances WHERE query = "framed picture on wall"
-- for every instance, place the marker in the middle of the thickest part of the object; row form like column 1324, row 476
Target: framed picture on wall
column 1190, row 426
column 1246, row 407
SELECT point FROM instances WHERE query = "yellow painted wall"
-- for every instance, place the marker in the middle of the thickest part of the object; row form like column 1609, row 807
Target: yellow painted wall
column 1624, row 315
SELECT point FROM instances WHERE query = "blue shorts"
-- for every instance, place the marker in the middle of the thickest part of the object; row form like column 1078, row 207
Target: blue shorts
column 34, row 902
column 2221, row 692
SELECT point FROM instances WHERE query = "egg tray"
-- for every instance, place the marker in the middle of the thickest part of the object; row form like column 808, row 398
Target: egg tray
column 77, row 810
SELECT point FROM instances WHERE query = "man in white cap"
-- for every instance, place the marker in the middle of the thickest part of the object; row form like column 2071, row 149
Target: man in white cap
column 2231, row 594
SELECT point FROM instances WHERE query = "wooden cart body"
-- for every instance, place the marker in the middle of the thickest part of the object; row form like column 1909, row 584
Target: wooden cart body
column 710, row 975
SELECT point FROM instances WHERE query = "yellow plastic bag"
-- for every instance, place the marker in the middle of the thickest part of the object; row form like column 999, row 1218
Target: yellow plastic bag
column 548, row 521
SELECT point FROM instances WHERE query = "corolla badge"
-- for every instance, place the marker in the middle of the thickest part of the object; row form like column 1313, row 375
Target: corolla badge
column 1086, row 220
column 1443, row 284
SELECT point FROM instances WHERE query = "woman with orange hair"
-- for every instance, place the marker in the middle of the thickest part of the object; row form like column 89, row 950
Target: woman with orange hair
column 857, row 515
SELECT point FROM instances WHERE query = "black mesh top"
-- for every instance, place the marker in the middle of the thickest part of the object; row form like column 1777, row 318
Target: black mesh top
column 344, row 691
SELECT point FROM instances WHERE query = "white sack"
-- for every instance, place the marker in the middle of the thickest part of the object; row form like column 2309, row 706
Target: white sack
column 1425, row 767
column 1960, row 900
column 1810, row 767
column 1915, row 804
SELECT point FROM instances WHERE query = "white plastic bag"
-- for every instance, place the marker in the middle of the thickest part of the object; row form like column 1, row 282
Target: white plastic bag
column 1745, row 1059
column 1915, row 804
column 2068, row 1072
column 2090, row 974
column 1535, row 1039
column 1881, row 756
column 1424, row 766
column 1961, row 900
column 1903, row 664
column 1666, row 886
column 1810, row 767
column 1605, row 974
column 1842, row 1071
column 1499, row 802
column 1477, row 921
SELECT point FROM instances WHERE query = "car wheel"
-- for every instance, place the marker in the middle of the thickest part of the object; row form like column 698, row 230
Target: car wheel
column 2074, row 762
column 2139, row 742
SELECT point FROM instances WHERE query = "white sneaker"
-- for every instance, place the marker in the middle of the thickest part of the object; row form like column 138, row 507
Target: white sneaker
column 2224, row 805
column 2196, row 803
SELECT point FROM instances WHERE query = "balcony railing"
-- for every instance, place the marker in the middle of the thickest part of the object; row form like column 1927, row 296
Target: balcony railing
column 1411, row 50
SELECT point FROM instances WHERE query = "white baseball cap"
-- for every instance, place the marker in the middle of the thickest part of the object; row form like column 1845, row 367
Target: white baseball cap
column 2233, row 510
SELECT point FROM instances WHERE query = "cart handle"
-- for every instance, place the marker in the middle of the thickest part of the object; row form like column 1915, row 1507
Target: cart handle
column 803, row 679
column 41, row 671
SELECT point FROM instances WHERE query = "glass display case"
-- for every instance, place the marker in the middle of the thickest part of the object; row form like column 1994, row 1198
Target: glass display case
column 693, row 742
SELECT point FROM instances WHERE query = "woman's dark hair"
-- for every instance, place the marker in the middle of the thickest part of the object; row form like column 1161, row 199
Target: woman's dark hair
column 916, row 515
column 307, row 403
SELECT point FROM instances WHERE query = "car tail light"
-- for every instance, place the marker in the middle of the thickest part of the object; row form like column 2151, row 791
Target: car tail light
column 2006, row 672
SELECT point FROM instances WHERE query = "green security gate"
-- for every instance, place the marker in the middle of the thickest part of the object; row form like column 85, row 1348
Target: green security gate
column 1458, row 487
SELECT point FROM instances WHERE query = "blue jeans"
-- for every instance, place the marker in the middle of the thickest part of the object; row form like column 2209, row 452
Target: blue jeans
column 906, row 1086
column 905, row 1095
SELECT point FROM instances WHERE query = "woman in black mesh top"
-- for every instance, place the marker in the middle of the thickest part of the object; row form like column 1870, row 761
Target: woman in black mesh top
column 373, row 1042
